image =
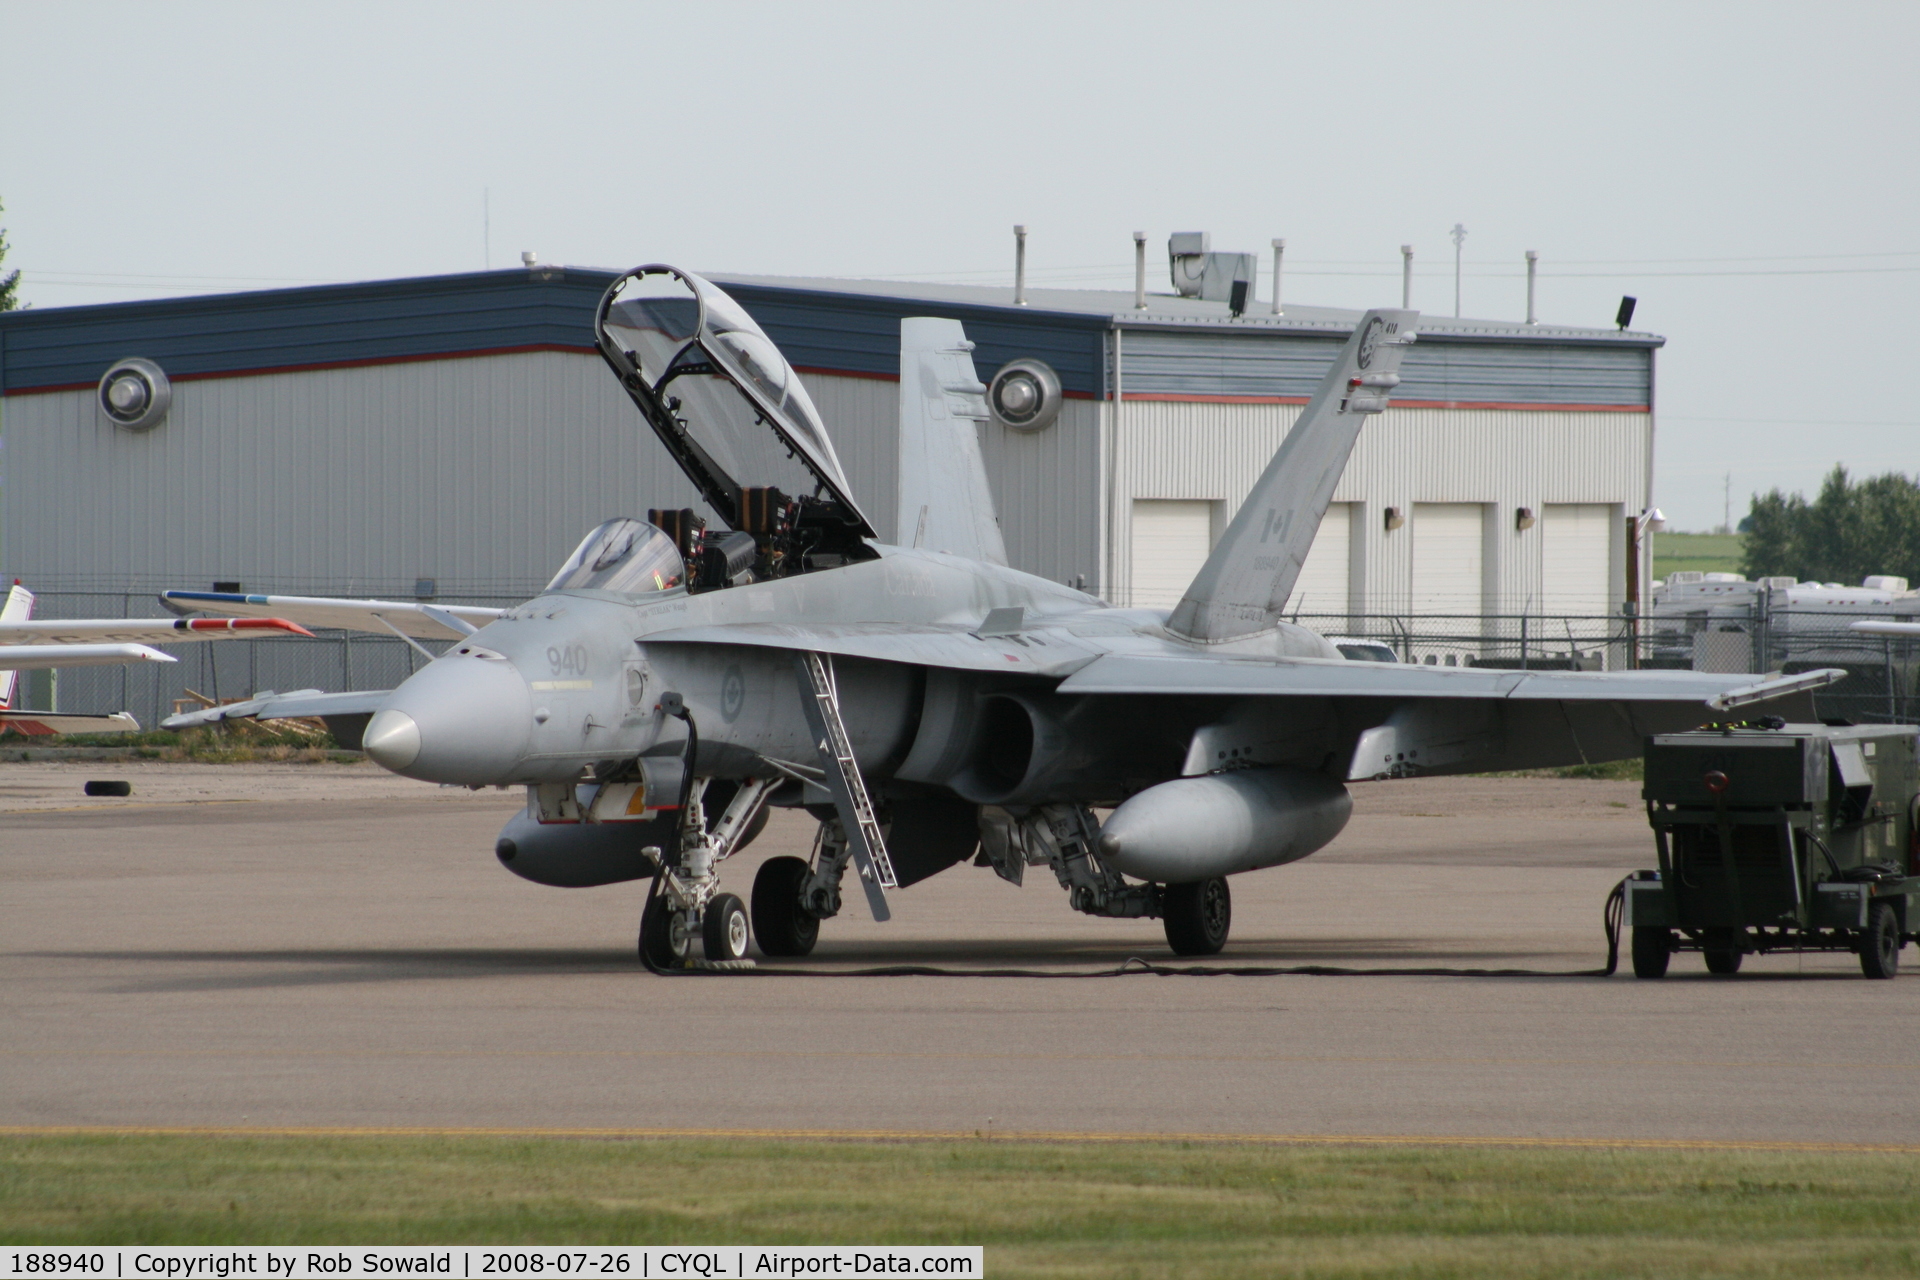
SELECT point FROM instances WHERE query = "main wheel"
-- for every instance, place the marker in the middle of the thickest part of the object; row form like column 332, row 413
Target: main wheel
column 1721, row 950
column 663, row 944
column 781, row 925
column 723, row 930
column 1197, row 917
column 1652, row 949
column 1880, row 944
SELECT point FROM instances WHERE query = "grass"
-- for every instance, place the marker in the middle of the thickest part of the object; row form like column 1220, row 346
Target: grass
column 1705, row 552
column 1040, row 1209
column 238, row 743
column 1632, row 770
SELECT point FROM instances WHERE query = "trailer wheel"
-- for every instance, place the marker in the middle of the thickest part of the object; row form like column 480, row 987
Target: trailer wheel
column 1721, row 950
column 1652, row 949
column 1880, row 943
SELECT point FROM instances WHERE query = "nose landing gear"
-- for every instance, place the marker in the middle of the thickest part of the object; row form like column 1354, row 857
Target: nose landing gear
column 685, row 907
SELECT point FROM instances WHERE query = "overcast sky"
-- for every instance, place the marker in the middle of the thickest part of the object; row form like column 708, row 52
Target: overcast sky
column 1747, row 171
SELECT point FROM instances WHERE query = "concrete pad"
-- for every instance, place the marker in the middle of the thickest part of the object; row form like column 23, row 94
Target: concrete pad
column 327, row 945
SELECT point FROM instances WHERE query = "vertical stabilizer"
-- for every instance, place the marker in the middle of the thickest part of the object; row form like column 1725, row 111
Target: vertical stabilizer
column 945, row 504
column 18, row 608
column 1246, row 581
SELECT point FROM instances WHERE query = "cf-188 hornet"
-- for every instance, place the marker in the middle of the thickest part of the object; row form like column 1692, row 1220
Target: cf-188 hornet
column 926, row 703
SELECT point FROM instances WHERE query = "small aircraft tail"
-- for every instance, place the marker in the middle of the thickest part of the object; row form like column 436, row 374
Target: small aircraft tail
column 18, row 608
column 1244, row 584
column 945, row 504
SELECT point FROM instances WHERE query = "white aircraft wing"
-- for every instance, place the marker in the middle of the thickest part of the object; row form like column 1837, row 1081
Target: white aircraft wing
column 38, row 657
column 134, row 632
column 1045, row 653
column 417, row 620
column 1328, row 678
column 37, row 724
column 298, row 704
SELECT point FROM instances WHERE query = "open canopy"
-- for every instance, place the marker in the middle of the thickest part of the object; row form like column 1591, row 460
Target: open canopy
column 717, row 391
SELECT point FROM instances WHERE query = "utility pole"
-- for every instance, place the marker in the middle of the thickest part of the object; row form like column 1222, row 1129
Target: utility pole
column 1459, row 234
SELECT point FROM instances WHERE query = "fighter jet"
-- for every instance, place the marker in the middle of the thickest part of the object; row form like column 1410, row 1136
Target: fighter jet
column 927, row 704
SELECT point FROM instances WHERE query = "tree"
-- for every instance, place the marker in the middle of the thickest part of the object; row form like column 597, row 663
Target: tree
column 1849, row 531
column 9, row 284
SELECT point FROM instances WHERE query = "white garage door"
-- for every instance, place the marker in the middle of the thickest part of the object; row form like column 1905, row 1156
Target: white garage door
column 1322, row 587
column 1447, row 557
column 1576, row 557
column 1170, row 543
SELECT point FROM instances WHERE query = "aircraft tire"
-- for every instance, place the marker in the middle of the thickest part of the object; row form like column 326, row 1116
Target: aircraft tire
column 1880, row 943
column 723, row 930
column 656, row 935
column 1721, row 950
column 1652, row 950
column 1197, row 917
column 781, row 925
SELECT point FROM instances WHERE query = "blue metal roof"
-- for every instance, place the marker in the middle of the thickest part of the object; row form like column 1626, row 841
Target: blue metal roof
column 840, row 326
column 294, row 328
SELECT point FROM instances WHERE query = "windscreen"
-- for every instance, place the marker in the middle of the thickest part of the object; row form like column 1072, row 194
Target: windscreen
column 624, row 555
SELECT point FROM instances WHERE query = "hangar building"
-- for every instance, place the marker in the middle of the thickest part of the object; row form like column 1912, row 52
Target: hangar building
column 454, row 436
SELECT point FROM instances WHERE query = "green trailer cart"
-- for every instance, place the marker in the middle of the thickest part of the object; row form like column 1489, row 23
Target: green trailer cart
column 1779, row 837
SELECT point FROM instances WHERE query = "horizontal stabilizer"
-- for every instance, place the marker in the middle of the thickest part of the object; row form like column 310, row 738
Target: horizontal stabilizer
column 417, row 621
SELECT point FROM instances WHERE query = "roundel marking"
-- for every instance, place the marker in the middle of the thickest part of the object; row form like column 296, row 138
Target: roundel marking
column 1370, row 340
column 733, row 694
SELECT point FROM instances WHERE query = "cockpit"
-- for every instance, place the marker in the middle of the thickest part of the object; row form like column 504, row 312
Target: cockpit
column 624, row 555
column 734, row 416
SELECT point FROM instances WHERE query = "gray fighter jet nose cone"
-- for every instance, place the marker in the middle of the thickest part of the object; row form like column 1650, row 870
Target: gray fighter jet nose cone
column 464, row 720
column 392, row 739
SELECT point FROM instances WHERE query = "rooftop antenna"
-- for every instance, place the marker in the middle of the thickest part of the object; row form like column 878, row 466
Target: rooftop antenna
column 1139, row 271
column 1459, row 234
column 1406, row 277
column 1279, row 253
column 1624, row 316
column 1020, row 265
column 1533, row 262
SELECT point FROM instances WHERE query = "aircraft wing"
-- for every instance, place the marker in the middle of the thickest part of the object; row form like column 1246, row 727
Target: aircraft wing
column 1041, row 653
column 417, row 620
column 1327, row 678
column 135, row 632
column 39, row 657
column 37, row 724
column 299, row 704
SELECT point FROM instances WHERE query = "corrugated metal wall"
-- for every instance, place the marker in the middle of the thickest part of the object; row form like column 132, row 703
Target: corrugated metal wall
column 1499, row 457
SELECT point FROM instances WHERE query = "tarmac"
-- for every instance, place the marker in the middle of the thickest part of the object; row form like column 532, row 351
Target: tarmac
column 325, row 946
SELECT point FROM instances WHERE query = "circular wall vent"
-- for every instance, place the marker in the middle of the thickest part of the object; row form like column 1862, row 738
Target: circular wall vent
column 135, row 394
column 1024, row 395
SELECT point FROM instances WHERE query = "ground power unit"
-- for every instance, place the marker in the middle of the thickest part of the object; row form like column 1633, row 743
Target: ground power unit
column 1778, row 837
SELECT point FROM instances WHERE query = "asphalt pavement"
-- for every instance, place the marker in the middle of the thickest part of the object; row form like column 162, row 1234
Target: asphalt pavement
column 325, row 946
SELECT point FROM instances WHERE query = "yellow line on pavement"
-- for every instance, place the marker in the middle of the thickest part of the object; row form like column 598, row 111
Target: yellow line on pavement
column 956, row 1135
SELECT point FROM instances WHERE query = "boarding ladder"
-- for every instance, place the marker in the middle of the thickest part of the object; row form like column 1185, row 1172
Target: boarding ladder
column 834, row 745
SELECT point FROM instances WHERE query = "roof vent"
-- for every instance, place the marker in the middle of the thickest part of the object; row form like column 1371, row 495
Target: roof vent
column 1211, row 277
column 135, row 394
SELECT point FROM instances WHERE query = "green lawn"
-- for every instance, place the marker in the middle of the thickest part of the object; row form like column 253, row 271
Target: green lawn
column 1039, row 1208
column 1705, row 552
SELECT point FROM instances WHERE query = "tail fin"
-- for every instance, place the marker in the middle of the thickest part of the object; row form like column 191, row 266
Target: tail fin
column 945, row 504
column 18, row 608
column 1244, row 584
